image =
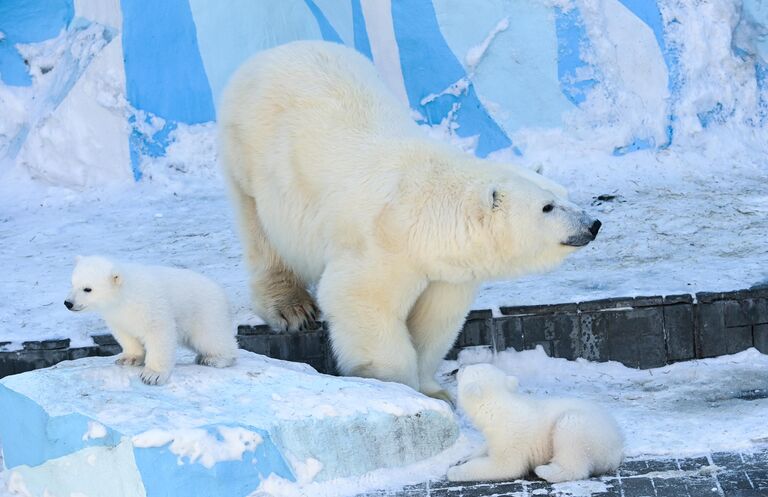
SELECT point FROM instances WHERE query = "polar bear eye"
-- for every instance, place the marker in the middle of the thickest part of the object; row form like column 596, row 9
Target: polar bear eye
column 87, row 290
column 548, row 208
column 496, row 200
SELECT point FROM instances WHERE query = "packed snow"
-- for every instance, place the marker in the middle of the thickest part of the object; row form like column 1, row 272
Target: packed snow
column 685, row 409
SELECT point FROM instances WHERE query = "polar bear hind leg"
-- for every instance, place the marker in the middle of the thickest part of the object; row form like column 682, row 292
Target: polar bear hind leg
column 570, row 450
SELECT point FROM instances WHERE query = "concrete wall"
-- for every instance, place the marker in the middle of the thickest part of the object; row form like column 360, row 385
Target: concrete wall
column 482, row 70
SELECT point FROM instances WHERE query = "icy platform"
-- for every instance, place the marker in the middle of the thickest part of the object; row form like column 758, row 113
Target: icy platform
column 91, row 427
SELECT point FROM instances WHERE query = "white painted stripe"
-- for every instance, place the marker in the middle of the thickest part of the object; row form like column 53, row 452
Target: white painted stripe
column 384, row 49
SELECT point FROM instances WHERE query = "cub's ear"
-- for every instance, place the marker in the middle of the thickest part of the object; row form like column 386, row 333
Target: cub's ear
column 115, row 277
column 78, row 258
column 512, row 383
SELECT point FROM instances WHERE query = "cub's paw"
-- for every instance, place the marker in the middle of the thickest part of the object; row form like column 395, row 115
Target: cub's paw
column 152, row 377
column 129, row 360
column 554, row 473
column 214, row 361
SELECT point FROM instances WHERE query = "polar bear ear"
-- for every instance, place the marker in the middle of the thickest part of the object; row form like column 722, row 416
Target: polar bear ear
column 512, row 383
column 78, row 258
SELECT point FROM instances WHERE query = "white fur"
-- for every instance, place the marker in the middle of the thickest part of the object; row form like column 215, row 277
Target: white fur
column 335, row 185
column 151, row 309
column 559, row 439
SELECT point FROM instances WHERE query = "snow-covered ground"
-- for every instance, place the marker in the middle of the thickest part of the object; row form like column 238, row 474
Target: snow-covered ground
column 686, row 409
column 690, row 218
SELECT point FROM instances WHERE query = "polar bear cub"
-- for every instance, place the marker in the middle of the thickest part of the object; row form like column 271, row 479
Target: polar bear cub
column 151, row 309
column 560, row 439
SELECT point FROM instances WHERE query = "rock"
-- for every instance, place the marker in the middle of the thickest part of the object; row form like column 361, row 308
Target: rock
column 91, row 427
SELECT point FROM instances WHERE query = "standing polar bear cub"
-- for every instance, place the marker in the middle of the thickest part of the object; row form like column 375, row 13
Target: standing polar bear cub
column 335, row 185
column 150, row 309
column 559, row 439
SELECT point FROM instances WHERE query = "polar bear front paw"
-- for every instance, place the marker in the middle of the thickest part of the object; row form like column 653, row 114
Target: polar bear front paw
column 152, row 377
column 129, row 360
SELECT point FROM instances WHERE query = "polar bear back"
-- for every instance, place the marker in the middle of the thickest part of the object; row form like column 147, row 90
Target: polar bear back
column 186, row 295
column 310, row 124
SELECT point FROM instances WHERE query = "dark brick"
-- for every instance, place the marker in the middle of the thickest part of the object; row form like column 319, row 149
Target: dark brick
column 746, row 312
column 57, row 344
column 760, row 337
column 479, row 314
column 634, row 468
column 759, row 477
column 475, row 332
column 733, row 480
column 679, row 331
column 509, row 333
column 259, row 329
column 647, row 301
column 104, row 339
column 709, row 297
column 669, row 487
column 751, row 492
column 693, row 463
column 684, row 298
column 726, row 459
column 635, row 337
column 701, row 486
column 526, row 310
column 662, row 465
column 637, row 487
column 710, row 330
column 80, row 352
column 559, row 331
column 603, row 304
column 738, row 338
column 593, row 343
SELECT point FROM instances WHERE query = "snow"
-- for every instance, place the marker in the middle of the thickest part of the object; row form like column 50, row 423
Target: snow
column 685, row 409
column 475, row 54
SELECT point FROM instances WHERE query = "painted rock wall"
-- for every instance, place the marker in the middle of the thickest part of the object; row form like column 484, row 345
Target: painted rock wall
column 92, row 87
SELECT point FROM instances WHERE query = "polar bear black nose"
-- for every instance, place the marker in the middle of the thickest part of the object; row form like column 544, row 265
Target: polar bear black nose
column 595, row 228
column 68, row 304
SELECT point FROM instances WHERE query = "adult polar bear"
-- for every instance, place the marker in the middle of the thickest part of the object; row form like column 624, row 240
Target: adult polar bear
column 334, row 184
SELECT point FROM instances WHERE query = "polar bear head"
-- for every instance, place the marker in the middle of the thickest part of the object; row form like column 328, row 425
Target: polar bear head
column 481, row 380
column 95, row 284
column 492, row 221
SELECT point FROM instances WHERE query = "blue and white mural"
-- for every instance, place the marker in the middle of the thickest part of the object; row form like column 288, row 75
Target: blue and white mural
column 484, row 70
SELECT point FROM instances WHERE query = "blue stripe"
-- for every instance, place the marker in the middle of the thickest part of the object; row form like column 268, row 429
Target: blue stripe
column 28, row 21
column 571, row 39
column 329, row 34
column 429, row 67
column 362, row 44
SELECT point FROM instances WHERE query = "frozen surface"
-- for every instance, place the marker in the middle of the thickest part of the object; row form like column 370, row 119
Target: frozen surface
column 246, row 422
column 686, row 409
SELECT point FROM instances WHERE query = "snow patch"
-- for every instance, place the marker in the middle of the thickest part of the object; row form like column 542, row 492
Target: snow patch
column 95, row 430
column 200, row 446
column 475, row 54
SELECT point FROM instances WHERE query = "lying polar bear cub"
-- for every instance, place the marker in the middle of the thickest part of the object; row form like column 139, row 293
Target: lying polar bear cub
column 150, row 309
column 560, row 439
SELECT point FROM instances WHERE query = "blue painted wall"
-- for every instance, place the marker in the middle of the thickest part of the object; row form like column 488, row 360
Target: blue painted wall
column 28, row 21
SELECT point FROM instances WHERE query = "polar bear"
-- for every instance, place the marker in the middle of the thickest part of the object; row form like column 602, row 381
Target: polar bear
column 150, row 309
column 560, row 439
column 337, row 189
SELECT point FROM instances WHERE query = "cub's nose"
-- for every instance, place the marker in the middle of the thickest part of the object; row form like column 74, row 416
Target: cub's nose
column 595, row 228
column 68, row 304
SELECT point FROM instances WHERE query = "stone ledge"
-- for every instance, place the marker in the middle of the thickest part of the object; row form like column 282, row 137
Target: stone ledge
column 641, row 332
